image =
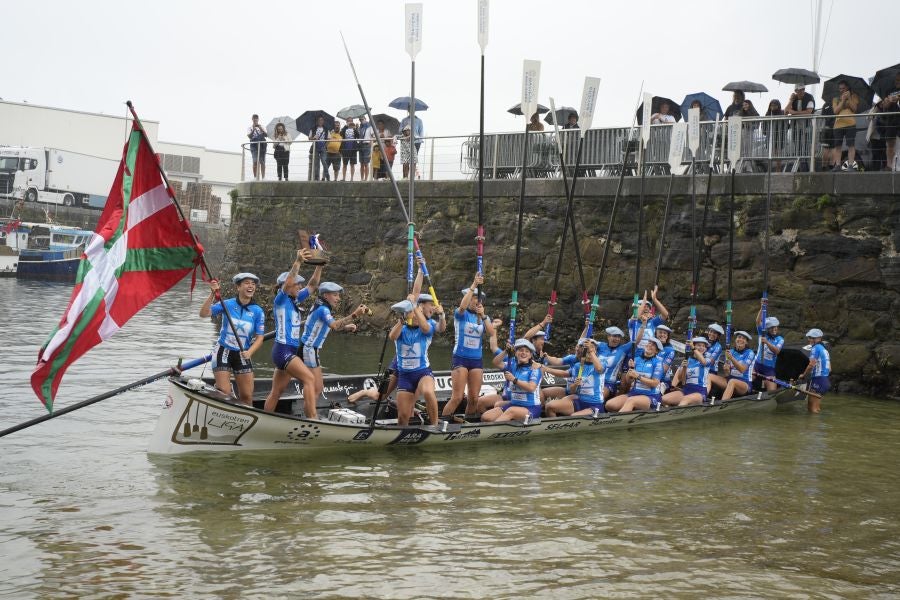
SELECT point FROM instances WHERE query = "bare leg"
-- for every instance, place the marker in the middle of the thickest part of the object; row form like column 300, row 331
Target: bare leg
column 405, row 403
column 615, row 404
column 560, row 406
column 280, row 380
column 735, row 387
column 426, row 388
column 458, row 379
column 244, row 383
column 223, row 381
column 473, row 389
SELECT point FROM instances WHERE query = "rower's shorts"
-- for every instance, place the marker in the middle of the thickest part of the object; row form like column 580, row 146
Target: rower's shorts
column 820, row 385
column 693, row 388
column 310, row 356
column 580, row 404
column 408, row 381
column 282, row 355
column 465, row 363
column 226, row 359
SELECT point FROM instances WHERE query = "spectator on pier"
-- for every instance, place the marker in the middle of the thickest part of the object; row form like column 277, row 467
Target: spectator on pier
column 405, row 150
column 845, row 105
column 662, row 117
column 572, row 122
column 800, row 102
column 418, row 131
column 775, row 131
column 282, row 150
column 535, row 123
column 385, row 161
column 889, row 125
column 333, row 149
column 366, row 135
column 256, row 133
column 703, row 115
column 747, row 109
column 350, row 133
column 737, row 99
column 320, row 157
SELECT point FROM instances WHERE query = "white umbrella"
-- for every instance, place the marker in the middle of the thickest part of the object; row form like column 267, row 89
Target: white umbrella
column 290, row 125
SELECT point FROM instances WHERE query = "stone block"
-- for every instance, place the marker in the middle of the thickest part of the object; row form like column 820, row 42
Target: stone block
column 888, row 356
column 827, row 269
column 849, row 359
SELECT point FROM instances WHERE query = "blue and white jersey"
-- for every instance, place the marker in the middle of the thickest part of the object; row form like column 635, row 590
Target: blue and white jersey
column 746, row 358
column 612, row 360
column 318, row 325
column 249, row 321
column 667, row 354
column 288, row 318
column 712, row 354
column 634, row 325
column 468, row 332
column 696, row 372
column 823, row 361
column 591, row 388
column 412, row 347
column 525, row 374
column 767, row 358
column 647, row 367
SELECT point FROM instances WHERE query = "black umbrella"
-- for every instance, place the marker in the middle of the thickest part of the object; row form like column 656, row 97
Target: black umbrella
column 883, row 82
column 745, row 86
column 391, row 124
column 307, row 121
column 654, row 108
column 796, row 76
column 562, row 115
column 857, row 86
column 517, row 109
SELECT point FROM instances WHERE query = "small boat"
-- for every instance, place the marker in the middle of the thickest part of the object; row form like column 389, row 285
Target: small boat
column 198, row 417
column 12, row 237
column 52, row 253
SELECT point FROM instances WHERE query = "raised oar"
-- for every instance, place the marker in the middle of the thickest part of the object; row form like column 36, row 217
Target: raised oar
column 413, row 45
column 483, row 12
column 120, row 390
column 728, row 310
column 595, row 301
column 531, row 74
column 426, row 274
column 765, row 291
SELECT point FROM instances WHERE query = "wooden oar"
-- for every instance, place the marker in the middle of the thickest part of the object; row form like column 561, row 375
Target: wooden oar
column 120, row 390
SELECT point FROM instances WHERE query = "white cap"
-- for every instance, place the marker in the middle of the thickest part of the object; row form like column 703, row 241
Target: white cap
column 465, row 291
column 523, row 343
column 330, row 286
column 717, row 328
column 815, row 333
column 242, row 276
column 403, row 307
column 745, row 334
column 424, row 298
column 699, row 339
column 539, row 333
column 653, row 340
column 614, row 331
column 771, row 322
column 663, row 327
column 283, row 277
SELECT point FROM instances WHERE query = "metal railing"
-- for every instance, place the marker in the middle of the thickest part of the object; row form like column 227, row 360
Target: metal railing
column 789, row 143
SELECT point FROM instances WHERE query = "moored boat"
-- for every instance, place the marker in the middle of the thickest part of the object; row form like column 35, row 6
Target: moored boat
column 52, row 253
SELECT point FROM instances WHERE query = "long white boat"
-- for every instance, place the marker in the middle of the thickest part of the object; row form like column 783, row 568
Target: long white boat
column 198, row 417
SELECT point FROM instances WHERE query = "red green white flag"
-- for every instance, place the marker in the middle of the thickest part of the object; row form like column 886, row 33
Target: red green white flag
column 140, row 249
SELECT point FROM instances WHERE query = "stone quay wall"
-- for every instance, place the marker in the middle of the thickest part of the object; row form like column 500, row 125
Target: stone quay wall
column 833, row 260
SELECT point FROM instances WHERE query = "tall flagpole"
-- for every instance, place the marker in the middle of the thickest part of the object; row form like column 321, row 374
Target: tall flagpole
column 483, row 13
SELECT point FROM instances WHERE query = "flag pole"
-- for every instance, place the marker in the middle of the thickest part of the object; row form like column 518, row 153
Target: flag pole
column 187, row 224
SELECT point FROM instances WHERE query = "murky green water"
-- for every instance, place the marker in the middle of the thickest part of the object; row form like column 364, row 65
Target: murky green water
column 771, row 505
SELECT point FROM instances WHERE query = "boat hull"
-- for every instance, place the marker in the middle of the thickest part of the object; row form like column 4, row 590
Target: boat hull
column 49, row 265
column 196, row 417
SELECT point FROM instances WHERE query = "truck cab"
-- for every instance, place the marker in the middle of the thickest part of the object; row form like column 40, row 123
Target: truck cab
column 23, row 172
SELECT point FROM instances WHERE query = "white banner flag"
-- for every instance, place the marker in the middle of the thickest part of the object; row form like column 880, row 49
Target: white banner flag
column 531, row 77
column 734, row 140
column 676, row 146
column 588, row 103
column 712, row 148
column 413, row 29
column 645, row 121
column 694, row 131
column 483, row 6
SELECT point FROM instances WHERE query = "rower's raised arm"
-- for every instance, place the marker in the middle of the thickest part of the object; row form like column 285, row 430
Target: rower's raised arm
column 660, row 307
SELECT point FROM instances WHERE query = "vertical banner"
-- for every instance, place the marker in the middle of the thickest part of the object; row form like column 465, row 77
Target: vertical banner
column 483, row 7
column 694, row 131
column 588, row 103
column 676, row 146
column 712, row 148
column 735, row 127
column 413, row 29
column 645, row 120
column 531, row 77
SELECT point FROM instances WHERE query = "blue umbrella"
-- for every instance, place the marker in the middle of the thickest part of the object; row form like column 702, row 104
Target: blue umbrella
column 709, row 106
column 403, row 102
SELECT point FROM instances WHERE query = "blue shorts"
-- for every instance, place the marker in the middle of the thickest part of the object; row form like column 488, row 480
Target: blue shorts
column 693, row 388
column 654, row 396
column 535, row 411
column 226, row 359
column 820, row 384
column 465, row 363
column 365, row 154
column 310, row 356
column 258, row 151
column 282, row 355
column 580, row 404
column 408, row 381
column 764, row 370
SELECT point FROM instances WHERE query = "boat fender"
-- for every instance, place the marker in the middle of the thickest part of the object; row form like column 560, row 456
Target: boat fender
column 195, row 384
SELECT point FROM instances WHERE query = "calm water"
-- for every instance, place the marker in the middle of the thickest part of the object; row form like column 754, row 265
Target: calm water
column 779, row 505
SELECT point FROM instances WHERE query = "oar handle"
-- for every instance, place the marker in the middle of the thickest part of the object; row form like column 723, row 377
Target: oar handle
column 785, row 384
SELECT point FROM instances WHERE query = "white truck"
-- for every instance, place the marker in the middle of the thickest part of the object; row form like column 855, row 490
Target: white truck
column 56, row 176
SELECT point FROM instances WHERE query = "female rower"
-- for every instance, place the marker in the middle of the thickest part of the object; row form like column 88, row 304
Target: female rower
column 466, row 369
column 739, row 366
column 693, row 372
column 612, row 352
column 318, row 325
column 645, row 376
column 288, row 319
column 654, row 321
column 819, row 368
column 771, row 344
column 521, row 400
column 667, row 354
column 232, row 353
column 586, row 390
column 713, row 333
column 413, row 367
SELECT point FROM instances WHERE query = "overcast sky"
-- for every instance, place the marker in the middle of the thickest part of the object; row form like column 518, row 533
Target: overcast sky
column 202, row 68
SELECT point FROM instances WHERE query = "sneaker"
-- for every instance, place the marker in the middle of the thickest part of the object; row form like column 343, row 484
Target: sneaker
column 854, row 166
column 845, row 166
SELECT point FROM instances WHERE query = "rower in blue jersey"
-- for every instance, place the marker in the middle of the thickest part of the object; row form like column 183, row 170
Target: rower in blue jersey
column 612, row 353
column 585, row 392
column 645, row 375
column 466, row 369
column 667, row 354
column 232, row 352
column 771, row 344
column 739, row 366
column 818, row 370
column 412, row 341
column 714, row 334
column 694, row 373
column 521, row 400
column 288, row 321
column 537, row 335
column 645, row 308
column 318, row 325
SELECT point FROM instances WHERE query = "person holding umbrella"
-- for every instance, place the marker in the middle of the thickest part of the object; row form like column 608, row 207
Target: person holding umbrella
column 889, row 126
column 418, row 129
column 737, row 101
column 282, row 150
column 800, row 102
column 845, row 105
